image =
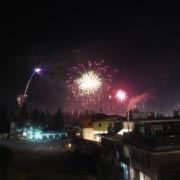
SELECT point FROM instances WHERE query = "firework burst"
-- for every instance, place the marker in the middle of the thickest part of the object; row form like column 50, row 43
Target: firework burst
column 121, row 95
column 89, row 83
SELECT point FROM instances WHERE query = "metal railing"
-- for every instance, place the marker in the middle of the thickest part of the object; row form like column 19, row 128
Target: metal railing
column 151, row 141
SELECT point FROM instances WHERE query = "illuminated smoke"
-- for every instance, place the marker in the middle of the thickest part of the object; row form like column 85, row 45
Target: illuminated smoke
column 137, row 99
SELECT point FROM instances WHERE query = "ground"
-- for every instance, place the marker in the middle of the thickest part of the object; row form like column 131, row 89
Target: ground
column 45, row 160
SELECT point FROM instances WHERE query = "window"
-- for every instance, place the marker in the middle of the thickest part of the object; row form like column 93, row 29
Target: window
column 156, row 129
column 126, row 151
column 125, row 170
column 89, row 123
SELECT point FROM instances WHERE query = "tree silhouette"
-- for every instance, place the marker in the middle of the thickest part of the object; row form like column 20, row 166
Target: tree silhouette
column 58, row 120
column 24, row 113
column 35, row 116
column 4, row 121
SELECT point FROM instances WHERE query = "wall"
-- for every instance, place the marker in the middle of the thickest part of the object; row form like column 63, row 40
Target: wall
column 102, row 125
column 88, row 134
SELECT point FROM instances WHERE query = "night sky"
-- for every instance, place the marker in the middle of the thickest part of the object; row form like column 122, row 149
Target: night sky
column 139, row 42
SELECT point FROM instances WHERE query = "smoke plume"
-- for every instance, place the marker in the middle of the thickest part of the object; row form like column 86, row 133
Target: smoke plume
column 137, row 99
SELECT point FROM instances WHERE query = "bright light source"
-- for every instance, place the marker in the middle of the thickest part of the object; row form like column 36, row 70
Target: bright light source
column 37, row 135
column 30, row 134
column 124, row 130
column 121, row 96
column 24, row 134
column 78, row 134
column 89, row 83
column 37, row 70
column 69, row 145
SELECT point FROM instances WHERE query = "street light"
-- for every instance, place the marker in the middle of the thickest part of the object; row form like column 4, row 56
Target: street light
column 21, row 98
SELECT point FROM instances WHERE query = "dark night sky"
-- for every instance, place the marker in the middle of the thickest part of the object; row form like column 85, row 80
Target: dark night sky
column 140, row 43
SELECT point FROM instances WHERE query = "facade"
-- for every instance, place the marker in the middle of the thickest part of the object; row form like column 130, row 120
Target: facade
column 54, row 135
column 99, row 124
column 88, row 134
column 149, row 150
column 115, row 157
column 154, row 147
column 87, row 130
column 101, row 127
column 30, row 133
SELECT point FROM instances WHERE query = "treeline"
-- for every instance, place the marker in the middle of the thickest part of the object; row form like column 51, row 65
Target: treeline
column 35, row 117
column 4, row 120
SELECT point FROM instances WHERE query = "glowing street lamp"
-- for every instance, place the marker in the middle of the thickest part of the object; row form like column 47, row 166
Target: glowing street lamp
column 21, row 98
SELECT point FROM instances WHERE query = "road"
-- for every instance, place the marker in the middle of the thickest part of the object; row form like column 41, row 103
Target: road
column 45, row 160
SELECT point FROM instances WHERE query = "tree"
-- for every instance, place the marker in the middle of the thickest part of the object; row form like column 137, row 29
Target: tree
column 48, row 120
column 24, row 113
column 58, row 120
column 35, row 115
column 5, row 124
column 42, row 119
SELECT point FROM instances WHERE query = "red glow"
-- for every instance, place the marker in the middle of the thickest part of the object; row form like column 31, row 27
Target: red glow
column 121, row 95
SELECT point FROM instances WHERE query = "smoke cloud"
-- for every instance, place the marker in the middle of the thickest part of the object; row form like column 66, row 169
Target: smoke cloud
column 137, row 99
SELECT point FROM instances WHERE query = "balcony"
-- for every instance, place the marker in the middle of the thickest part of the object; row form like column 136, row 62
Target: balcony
column 155, row 143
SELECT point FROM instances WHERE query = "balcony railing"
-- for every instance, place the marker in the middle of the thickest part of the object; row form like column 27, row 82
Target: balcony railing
column 152, row 142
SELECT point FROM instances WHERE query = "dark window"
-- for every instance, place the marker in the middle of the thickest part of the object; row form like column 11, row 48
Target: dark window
column 90, row 123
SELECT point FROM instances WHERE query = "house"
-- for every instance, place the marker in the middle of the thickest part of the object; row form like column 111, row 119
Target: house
column 99, row 124
column 54, row 135
column 146, row 149
column 87, row 129
column 154, row 149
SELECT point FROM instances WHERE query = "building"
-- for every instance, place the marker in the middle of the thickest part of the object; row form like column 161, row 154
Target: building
column 144, row 149
column 102, row 127
column 54, row 135
column 99, row 124
column 87, row 129
column 154, row 147
column 28, row 132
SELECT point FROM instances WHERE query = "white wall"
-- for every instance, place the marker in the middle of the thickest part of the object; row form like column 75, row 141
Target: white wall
column 88, row 134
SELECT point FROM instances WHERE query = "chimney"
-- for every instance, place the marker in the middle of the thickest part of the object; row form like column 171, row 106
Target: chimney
column 129, row 115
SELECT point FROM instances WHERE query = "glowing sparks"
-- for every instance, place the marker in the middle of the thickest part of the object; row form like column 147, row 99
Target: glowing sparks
column 89, row 83
column 121, row 95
